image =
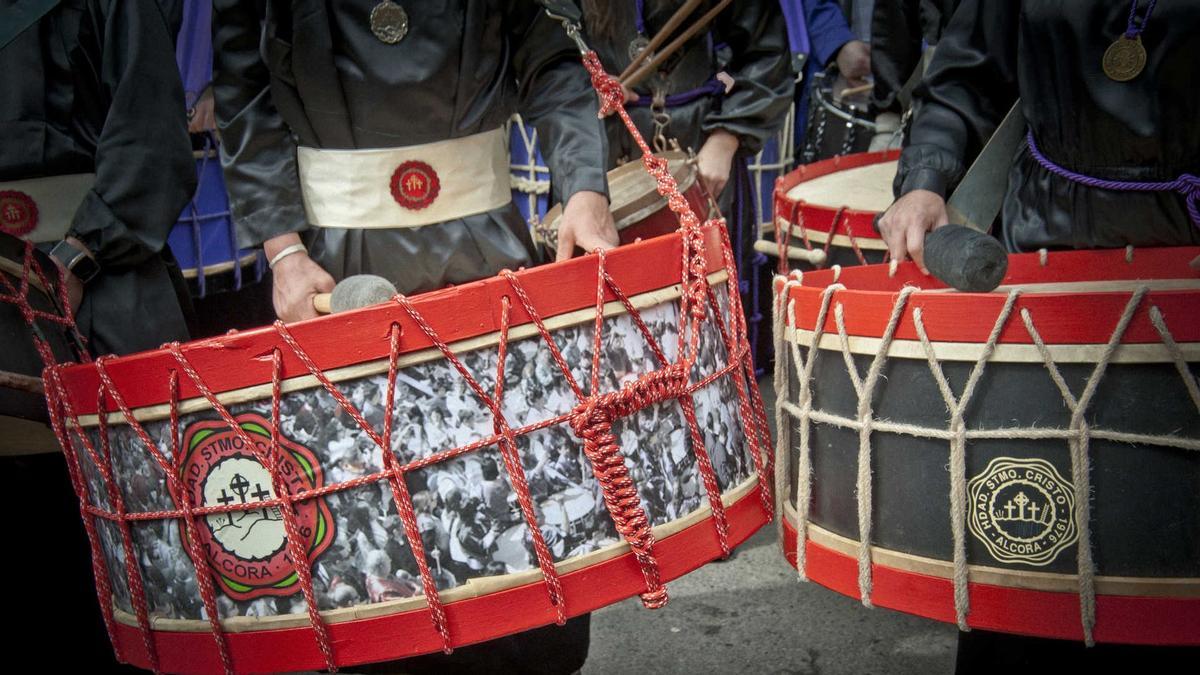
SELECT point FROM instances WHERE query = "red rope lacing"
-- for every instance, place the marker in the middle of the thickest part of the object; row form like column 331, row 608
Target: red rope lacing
column 591, row 419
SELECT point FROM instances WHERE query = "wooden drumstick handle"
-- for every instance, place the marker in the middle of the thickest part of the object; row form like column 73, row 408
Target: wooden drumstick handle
column 813, row 256
column 321, row 303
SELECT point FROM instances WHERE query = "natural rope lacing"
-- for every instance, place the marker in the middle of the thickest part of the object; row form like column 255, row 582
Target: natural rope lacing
column 591, row 419
column 1078, row 433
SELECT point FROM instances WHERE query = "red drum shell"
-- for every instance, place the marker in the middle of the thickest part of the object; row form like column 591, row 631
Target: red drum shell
column 639, row 212
column 829, row 224
column 1143, row 431
column 238, row 369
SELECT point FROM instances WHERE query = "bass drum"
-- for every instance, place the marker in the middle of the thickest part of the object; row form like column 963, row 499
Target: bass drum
column 450, row 440
column 639, row 212
column 29, row 280
column 1024, row 461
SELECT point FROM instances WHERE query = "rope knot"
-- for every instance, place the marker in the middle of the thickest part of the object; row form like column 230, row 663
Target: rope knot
column 592, row 422
column 612, row 96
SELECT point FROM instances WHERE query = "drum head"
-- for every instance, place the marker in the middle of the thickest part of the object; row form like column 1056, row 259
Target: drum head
column 633, row 193
column 863, row 188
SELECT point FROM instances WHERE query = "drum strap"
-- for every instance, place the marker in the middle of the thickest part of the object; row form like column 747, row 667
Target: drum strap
column 21, row 16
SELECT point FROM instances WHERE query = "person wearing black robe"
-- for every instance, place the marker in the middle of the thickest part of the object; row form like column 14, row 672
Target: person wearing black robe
column 89, row 100
column 1050, row 55
column 724, row 120
column 353, row 81
column 1141, row 129
column 335, row 82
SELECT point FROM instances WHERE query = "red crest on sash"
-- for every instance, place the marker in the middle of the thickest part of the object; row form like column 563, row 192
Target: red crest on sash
column 415, row 185
column 18, row 213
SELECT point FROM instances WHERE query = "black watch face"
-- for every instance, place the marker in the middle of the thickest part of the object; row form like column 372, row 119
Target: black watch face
column 85, row 268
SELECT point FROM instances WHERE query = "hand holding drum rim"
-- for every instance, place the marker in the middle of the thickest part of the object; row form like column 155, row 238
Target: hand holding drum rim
column 297, row 280
column 906, row 222
column 587, row 223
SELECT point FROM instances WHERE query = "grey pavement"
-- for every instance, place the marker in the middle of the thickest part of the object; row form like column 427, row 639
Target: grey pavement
column 753, row 614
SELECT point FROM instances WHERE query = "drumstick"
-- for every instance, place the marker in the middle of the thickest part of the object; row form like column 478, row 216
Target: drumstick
column 353, row 292
column 21, row 382
column 643, row 72
column 677, row 18
column 850, row 91
column 965, row 258
column 813, row 256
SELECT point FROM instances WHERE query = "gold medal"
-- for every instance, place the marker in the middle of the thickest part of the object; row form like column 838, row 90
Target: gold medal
column 1124, row 59
column 389, row 22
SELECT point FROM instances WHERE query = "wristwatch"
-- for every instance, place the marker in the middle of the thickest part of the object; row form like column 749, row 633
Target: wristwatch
column 76, row 260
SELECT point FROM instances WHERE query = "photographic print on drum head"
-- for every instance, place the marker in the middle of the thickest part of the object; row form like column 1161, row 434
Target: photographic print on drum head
column 466, row 508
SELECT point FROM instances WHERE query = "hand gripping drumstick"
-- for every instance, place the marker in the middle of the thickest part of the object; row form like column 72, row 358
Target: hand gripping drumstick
column 353, row 292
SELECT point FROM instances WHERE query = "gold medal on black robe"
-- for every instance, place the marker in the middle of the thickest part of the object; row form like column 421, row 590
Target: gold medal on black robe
column 389, row 22
column 1124, row 59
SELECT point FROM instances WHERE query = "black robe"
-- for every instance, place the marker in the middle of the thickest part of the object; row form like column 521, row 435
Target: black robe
column 1049, row 53
column 463, row 68
column 748, row 40
column 92, row 87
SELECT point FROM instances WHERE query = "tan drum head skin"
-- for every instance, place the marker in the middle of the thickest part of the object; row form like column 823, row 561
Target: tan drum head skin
column 864, row 188
column 633, row 193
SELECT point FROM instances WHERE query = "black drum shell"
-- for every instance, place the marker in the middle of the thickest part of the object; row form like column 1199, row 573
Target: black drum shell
column 1145, row 507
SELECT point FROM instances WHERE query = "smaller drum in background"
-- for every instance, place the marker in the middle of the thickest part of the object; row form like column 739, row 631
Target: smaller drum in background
column 825, row 212
column 639, row 212
column 840, row 121
column 24, row 422
column 528, row 173
column 204, row 240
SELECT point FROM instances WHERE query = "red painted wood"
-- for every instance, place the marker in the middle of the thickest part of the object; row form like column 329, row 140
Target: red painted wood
column 820, row 216
column 1060, row 318
column 1119, row 619
column 472, row 620
column 244, row 359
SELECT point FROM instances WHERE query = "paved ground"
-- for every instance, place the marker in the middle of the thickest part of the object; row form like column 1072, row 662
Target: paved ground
column 752, row 614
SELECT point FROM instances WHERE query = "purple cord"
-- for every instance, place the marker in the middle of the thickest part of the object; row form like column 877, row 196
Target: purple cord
column 1132, row 27
column 640, row 18
column 713, row 87
column 1187, row 184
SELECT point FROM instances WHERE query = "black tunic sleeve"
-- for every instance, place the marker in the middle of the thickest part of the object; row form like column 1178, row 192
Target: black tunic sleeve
column 970, row 85
column 144, row 168
column 761, row 71
column 557, row 97
column 258, row 153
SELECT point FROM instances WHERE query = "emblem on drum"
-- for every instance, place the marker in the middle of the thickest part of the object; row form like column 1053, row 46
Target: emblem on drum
column 247, row 548
column 18, row 213
column 415, row 185
column 1022, row 510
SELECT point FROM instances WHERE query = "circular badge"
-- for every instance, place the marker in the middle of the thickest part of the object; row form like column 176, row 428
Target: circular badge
column 247, row 547
column 415, row 185
column 1022, row 510
column 389, row 22
column 1124, row 59
column 18, row 213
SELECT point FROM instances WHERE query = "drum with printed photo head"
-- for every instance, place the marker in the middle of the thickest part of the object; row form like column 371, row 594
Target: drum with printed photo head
column 33, row 328
column 209, row 467
column 1025, row 461
column 639, row 211
column 825, row 211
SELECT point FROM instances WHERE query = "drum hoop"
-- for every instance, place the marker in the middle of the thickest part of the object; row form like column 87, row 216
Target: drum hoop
column 143, row 376
column 821, row 216
column 954, row 317
column 218, row 268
